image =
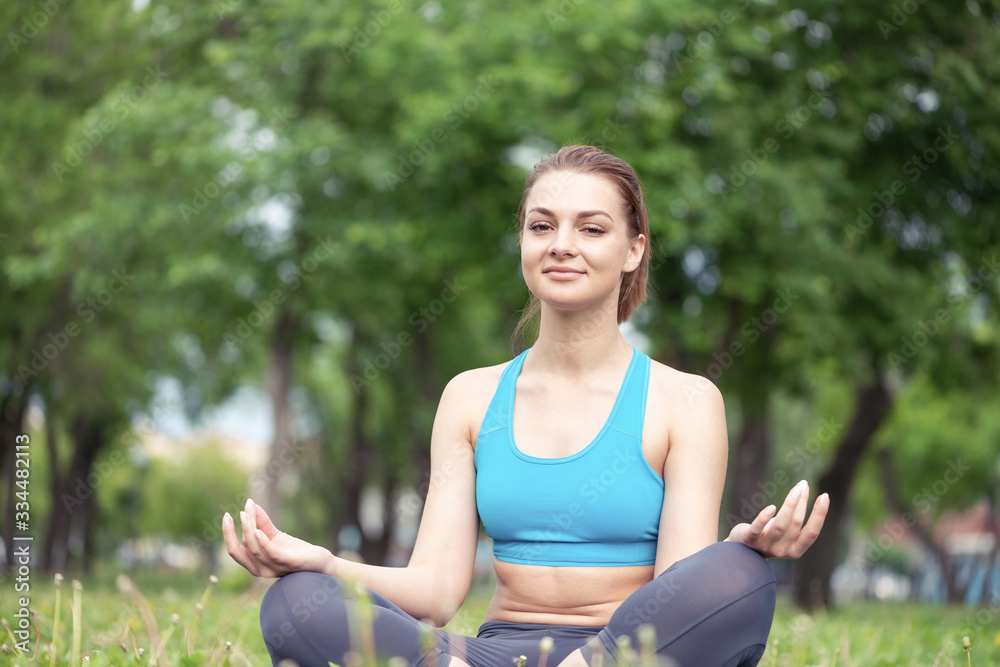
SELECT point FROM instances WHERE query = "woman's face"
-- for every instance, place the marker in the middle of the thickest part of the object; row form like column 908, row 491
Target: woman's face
column 575, row 244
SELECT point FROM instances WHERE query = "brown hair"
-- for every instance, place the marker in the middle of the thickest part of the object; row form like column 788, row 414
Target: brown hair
column 591, row 160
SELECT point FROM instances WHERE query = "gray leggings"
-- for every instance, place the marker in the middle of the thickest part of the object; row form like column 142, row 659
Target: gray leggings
column 711, row 609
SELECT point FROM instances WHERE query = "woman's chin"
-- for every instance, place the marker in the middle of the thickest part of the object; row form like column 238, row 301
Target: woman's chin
column 569, row 307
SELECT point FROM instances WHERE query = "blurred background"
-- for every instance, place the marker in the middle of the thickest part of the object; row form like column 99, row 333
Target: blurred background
column 244, row 245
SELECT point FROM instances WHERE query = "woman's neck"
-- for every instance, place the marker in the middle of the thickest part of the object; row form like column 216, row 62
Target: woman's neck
column 579, row 345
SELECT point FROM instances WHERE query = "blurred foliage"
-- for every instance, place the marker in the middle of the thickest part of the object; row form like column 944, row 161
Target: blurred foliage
column 947, row 454
column 178, row 498
column 176, row 178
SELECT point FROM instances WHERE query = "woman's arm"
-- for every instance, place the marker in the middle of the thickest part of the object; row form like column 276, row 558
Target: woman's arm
column 694, row 476
column 437, row 579
column 694, row 472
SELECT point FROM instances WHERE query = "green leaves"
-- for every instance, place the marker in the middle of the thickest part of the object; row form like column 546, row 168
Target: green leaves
column 214, row 149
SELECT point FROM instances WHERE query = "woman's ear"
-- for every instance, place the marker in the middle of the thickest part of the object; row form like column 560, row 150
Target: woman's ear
column 635, row 253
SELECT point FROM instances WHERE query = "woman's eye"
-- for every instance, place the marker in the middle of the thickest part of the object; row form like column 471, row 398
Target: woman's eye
column 543, row 226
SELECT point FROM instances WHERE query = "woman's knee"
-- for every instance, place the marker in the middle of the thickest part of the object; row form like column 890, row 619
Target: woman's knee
column 295, row 602
column 747, row 583
column 739, row 568
column 721, row 574
column 734, row 561
column 743, row 557
column 725, row 596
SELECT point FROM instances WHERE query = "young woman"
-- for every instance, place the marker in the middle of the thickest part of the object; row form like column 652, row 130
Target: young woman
column 597, row 472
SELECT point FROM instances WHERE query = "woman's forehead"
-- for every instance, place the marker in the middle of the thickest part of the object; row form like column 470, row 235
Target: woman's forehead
column 573, row 191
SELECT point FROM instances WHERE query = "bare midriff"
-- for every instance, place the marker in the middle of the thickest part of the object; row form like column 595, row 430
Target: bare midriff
column 562, row 595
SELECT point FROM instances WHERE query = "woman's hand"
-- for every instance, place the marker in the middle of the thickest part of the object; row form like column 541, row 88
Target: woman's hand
column 782, row 535
column 266, row 551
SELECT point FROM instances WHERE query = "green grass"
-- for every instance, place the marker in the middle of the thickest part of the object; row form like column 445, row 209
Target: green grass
column 869, row 634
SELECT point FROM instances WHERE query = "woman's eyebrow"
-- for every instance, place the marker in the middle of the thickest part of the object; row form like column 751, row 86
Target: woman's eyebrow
column 581, row 214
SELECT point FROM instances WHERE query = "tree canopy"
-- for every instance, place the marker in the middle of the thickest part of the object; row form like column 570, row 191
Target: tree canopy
column 317, row 199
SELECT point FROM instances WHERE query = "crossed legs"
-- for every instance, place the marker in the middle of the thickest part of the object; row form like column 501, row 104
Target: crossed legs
column 713, row 608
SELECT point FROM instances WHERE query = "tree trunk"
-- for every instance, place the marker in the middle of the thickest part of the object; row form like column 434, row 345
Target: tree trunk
column 357, row 466
column 88, row 518
column 890, row 487
column 872, row 403
column 353, row 476
column 389, row 518
column 374, row 551
column 425, row 366
column 430, row 395
column 57, row 517
column 279, row 383
column 753, row 453
column 51, row 444
column 72, row 494
column 753, row 447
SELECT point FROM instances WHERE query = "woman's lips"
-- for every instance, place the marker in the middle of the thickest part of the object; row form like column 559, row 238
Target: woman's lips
column 563, row 274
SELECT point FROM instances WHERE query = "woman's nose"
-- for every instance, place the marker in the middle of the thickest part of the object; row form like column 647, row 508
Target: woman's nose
column 563, row 242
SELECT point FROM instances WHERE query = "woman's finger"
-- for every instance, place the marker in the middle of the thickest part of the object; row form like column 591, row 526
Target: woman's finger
column 799, row 510
column 267, row 550
column 761, row 521
column 784, row 516
column 251, row 511
column 259, row 547
column 810, row 531
column 263, row 521
column 250, row 537
column 235, row 549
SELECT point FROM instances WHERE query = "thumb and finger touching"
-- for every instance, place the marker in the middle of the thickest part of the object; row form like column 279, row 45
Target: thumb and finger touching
column 785, row 532
column 237, row 550
column 263, row 521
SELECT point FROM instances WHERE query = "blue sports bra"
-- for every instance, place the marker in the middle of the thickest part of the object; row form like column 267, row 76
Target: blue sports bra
column 600, row 506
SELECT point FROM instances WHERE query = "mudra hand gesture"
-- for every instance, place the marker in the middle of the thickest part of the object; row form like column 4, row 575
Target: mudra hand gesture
column 266, row 551
column 781, row 533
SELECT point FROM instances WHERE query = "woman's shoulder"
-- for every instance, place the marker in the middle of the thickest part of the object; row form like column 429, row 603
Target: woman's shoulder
column 477, row 380
column 471, row 392
column 686, row 404
column 671, row 386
